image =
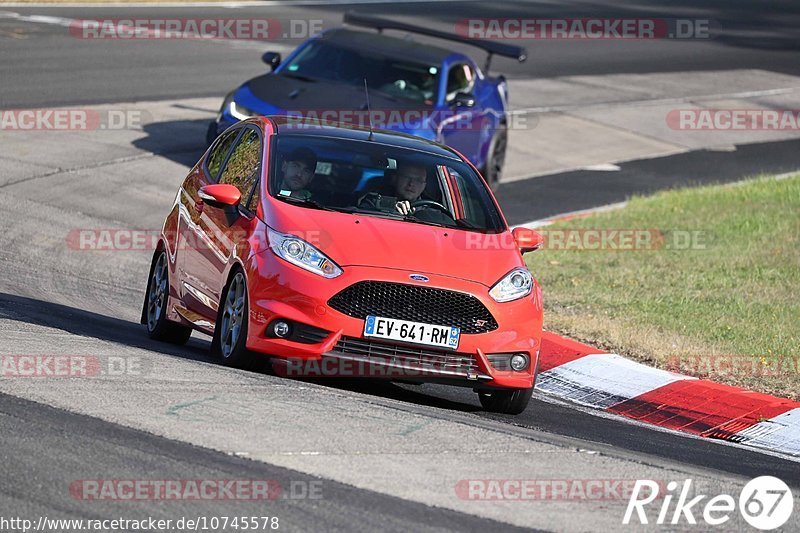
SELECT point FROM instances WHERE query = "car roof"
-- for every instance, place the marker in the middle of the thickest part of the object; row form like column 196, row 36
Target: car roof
column 285, row 125
column 387, row 45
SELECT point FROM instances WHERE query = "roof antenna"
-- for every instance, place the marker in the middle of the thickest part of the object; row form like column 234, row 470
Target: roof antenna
column 369, row 111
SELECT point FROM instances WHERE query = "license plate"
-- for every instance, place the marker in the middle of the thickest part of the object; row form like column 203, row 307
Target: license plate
column 416, row 332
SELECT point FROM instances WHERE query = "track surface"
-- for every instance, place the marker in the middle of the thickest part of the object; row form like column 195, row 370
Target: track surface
column 389, row 455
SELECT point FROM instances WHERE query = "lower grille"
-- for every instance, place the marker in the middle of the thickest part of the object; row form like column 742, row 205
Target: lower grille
column 422, row 359
column 416, row 304
column 308, row 334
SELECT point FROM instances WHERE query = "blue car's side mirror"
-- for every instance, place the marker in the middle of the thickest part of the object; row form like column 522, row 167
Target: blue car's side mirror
column 463, row 100
column 273, row 59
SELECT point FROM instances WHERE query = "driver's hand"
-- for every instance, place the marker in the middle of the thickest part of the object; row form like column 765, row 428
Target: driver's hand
column 404, row 207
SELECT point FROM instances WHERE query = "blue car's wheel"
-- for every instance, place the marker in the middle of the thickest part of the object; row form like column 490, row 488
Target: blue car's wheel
column 492, row 170
column 211, row 134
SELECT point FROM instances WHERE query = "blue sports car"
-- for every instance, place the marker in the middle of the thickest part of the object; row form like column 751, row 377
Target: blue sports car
column 354, row 76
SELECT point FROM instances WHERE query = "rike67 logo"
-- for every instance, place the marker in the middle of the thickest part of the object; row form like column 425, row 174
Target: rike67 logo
column 765, row 503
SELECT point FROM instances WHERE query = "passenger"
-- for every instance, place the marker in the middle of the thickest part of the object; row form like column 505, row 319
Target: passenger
column 298, row 171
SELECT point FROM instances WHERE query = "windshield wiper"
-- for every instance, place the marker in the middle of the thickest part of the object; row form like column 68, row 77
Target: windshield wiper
column 299, row 77
column 305, row 203
column 460, row 222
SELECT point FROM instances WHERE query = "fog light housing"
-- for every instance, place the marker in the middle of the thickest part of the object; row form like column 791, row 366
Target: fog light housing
column 280, row 328
column 519, row 362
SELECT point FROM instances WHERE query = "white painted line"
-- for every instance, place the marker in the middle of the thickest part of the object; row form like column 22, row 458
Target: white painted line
column 603, row 167
column 603, row 380
column 68, row 22
column 780, row 433
column 656, row 101
column 533, row 224
column 228, row 5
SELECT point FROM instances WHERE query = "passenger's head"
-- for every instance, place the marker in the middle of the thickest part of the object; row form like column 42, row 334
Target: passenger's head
column 409, row 181
column 298, row 169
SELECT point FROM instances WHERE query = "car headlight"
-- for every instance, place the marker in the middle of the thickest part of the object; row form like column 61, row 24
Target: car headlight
column 238, row 111
column 515, row 285
column 298, row 252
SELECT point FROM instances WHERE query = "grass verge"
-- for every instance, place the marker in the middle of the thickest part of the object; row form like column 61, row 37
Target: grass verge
column 707, row 285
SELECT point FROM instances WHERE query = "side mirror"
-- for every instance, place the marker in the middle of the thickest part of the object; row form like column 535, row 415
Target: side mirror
column 273, row 59
column 220, row 195
column 463, row 100
column 527, row 240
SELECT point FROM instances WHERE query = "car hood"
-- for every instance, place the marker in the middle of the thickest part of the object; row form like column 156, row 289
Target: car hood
column 359, row 240
column 279, row 94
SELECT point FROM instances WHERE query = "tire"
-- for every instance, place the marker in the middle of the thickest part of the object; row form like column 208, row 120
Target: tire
column 211, row 133
column 492, row 170
column 154, row 314
column 230, row 333
column 509, row 402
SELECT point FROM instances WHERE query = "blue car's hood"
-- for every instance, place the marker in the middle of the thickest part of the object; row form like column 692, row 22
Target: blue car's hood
column 276, row 94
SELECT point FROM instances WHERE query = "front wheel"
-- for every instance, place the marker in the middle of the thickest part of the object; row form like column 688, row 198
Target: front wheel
column 509, row 402
column 155, row 311
column 230, row 333
column 211, row 133
column 492, row 170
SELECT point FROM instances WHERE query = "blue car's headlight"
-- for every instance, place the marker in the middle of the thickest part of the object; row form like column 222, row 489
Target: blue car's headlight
column 237, row 111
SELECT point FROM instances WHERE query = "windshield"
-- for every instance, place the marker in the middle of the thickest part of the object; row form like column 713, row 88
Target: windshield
column 380, row 180
column 393, row 77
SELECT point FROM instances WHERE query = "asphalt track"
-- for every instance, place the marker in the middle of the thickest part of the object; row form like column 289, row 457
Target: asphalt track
column 56, row 302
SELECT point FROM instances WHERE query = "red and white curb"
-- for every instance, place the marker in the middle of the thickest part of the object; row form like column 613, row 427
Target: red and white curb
column 587, row 376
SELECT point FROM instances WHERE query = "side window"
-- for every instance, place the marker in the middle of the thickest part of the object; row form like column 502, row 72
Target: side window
column 243, row 167
column 217, row 155
column 471, row 199
column 460, row 79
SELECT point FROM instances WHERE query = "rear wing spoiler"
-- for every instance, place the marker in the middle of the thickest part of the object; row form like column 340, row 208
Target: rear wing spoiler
column 492, row 47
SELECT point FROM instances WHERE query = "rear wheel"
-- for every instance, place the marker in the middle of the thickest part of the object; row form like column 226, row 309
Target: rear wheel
column 510, row 402
column 158, row 327
column 492, row 170
column 230, row 334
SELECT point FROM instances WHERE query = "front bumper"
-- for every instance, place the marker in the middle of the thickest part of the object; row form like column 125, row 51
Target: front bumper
column 283, row 291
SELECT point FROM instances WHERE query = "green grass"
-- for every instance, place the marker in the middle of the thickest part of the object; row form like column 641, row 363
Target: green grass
column 739, row 294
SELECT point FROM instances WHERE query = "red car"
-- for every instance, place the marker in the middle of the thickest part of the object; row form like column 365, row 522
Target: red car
column 335, row 250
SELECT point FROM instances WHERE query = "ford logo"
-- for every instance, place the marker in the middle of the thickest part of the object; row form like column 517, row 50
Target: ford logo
column 419, row 277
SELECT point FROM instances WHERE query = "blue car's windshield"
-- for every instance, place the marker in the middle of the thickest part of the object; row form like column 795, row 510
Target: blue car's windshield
column 371, row 178
column 394, row 77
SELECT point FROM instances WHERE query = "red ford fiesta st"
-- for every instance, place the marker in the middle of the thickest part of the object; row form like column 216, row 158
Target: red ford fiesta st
column 338, row 251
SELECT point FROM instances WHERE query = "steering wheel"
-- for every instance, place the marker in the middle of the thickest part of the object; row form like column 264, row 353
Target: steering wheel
column 431, row 203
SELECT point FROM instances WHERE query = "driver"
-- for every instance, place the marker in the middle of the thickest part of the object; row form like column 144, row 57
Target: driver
column 298, row 171
column 407, row 184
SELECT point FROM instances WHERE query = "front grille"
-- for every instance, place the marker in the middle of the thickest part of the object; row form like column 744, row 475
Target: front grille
column 414, row 303
column 411, row 357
